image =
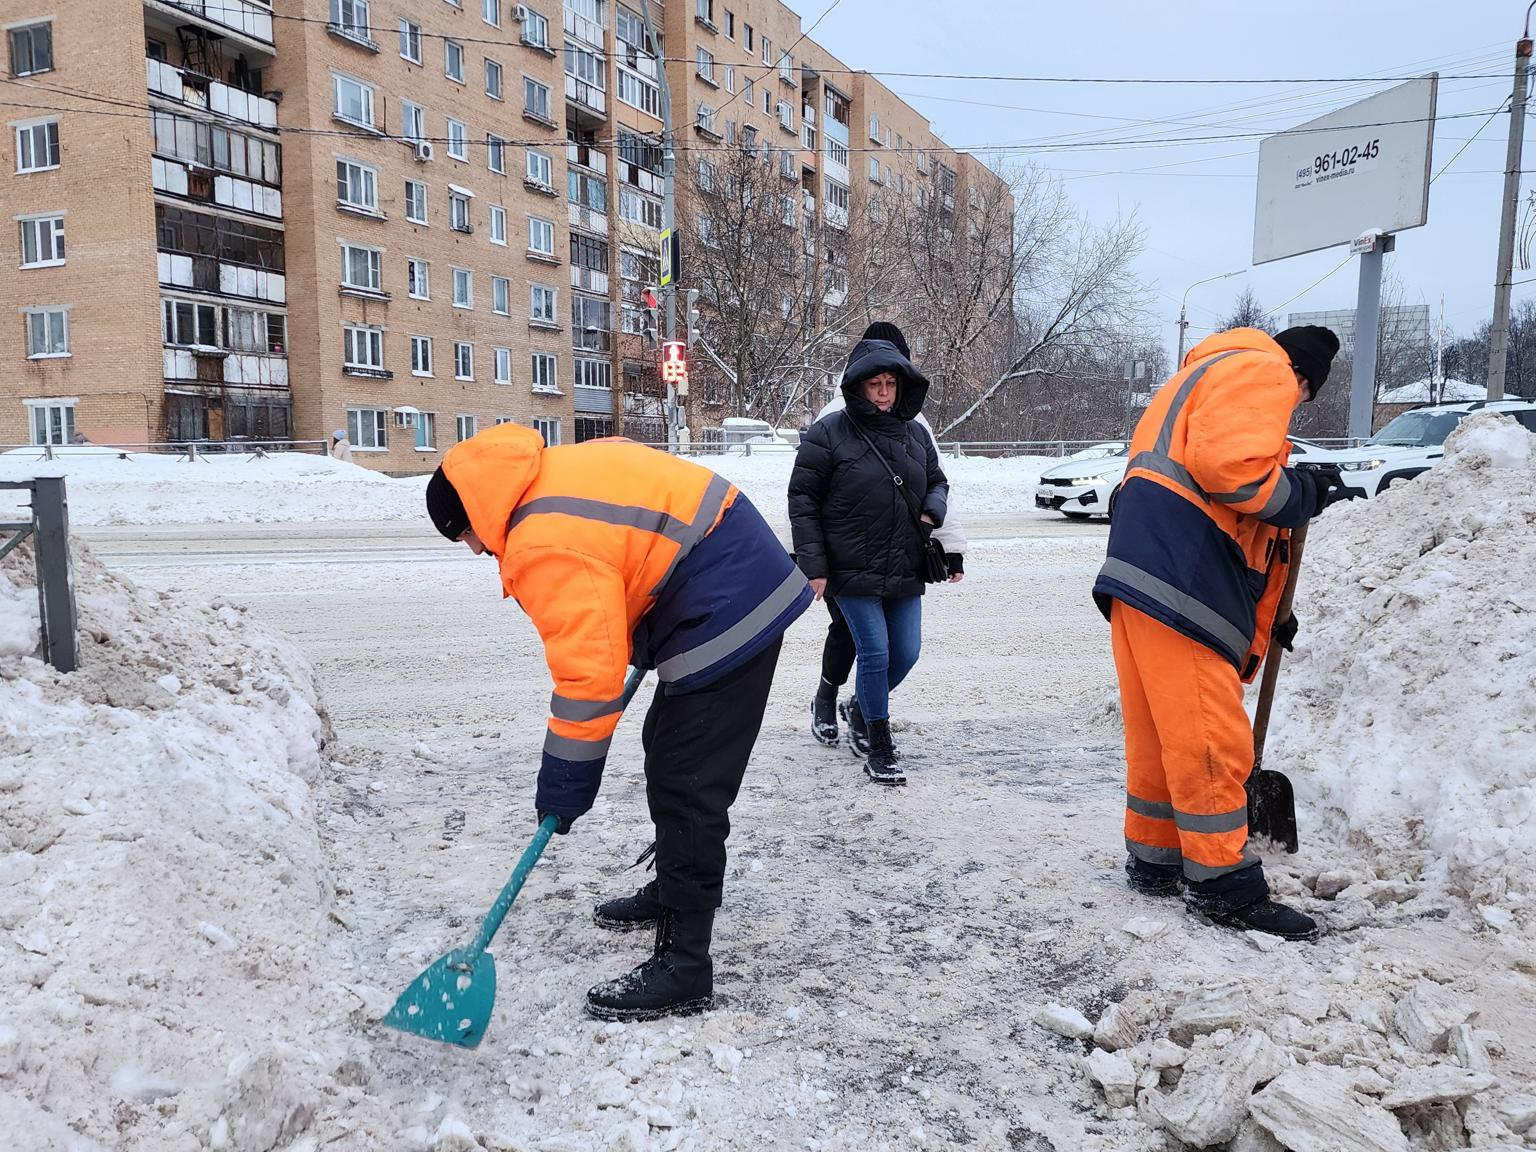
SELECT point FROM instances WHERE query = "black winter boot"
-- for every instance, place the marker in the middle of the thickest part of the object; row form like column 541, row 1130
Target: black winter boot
column 858, row 733
column 824, row 714
column 1263, row 915
column 629, row 913
column 1153, row 879
column 678, row 979
column 881, row 765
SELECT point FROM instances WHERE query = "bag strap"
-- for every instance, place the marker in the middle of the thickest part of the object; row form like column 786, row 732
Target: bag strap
column 917, row 516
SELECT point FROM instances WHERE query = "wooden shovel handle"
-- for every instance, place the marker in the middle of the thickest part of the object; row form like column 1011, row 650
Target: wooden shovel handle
column 1298, row 541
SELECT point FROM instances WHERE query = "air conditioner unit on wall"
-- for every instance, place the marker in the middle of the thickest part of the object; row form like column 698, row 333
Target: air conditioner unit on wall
column 423, row 150
column 520, row 13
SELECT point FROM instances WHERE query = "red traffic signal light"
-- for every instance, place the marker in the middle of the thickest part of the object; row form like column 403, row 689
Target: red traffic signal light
column 674, row 362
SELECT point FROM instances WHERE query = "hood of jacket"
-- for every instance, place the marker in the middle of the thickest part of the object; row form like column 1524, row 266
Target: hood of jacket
column 872, row 357
column 491, row 472
column 1234, row 340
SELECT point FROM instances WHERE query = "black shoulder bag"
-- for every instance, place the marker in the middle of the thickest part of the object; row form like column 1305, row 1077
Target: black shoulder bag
column 932, row 566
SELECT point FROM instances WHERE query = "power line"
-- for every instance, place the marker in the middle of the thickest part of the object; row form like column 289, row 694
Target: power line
column 1471, row 138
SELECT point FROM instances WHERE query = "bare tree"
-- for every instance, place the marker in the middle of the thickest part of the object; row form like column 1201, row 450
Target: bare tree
column 1247, row 312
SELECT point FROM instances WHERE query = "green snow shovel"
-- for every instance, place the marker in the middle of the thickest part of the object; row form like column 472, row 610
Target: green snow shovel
column 451, row 1000
column 1271, row 800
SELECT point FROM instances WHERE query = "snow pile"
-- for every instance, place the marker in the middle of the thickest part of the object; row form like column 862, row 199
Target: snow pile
column 1405, row 718
column 110, row 487
column 163, row 899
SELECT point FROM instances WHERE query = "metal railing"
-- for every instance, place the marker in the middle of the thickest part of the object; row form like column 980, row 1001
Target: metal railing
column 189, row 451
column 49, row 527
column 957, row 449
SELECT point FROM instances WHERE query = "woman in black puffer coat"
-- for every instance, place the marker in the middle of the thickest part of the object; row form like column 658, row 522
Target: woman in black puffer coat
column 859, row 535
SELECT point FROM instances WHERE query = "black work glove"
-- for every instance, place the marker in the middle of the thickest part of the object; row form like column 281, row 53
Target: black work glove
column 1285, row 632
column 955, row 562
column 1327, row 486
column 565, row 822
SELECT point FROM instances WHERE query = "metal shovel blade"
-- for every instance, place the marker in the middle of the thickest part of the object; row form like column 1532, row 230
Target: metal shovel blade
column 450, row 1001
column 1272, row 808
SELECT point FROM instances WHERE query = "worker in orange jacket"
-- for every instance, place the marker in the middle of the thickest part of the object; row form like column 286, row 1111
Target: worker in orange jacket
column 1198, row 556
column 624, row 555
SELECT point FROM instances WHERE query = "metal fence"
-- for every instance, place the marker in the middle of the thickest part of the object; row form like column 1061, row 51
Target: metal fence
column 190, row 451
column 992, row 449
column 49, row 528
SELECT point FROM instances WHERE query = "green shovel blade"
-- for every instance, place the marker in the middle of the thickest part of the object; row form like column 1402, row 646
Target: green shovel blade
column 450, row 1001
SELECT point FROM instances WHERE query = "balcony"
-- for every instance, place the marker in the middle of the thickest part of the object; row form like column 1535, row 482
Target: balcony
column 589, row 279
column 238, row 367
column 587, row 156
column 587, row 95
column 837, row 216
column 585, row 218
column 205, row 274
column 200, row 184
column 584, row 30
column 242, row 16
column 211, row 96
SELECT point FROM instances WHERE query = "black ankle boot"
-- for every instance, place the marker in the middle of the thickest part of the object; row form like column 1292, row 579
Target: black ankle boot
column 1263, row 915
column 629, row 913
column 1154, row 879
column 881, row 764
column 678, row 979
column 824, row 714
column 858, row 732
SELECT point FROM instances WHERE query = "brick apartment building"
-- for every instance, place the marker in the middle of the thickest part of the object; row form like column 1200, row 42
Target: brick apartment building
column 235, row 221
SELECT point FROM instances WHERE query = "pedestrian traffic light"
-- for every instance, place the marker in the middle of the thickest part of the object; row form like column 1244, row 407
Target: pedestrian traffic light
column 693, row 316
column 674, row 365
column 651, row 315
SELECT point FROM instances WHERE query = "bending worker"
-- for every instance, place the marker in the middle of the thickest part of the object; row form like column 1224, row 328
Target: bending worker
column 1198, row 556
column 624, row 555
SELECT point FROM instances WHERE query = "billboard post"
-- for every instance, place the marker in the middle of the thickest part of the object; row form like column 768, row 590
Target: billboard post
column 1362, row 383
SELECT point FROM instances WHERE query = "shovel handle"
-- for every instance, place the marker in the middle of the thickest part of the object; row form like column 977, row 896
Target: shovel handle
column 1271, row 676
column 535, row 849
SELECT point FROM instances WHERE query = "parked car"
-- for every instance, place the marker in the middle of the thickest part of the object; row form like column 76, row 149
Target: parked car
column 1080, row 488
column 1411, row 443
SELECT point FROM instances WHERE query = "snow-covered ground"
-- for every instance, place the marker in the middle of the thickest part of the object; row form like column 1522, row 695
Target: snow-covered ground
column 206, row 904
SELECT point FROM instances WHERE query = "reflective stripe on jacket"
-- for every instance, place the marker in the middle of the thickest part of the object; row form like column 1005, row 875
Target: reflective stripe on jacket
column 1199, row 538
column 621, row 555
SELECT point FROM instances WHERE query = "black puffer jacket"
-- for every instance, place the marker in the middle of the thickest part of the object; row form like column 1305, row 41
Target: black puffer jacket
column 851, row 523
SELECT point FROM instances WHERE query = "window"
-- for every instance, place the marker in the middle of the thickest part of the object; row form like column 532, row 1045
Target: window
column 503, row 367
column 47, row 332
column 366, row 429
column 587, row 190
column 730, row 24
column 463, row 427
column 535, row 99
column 458, row 140
column 787, row 68
column 490, row 12
column 874, row 128
column 706, row 118
column 463, row 360
column 548, row 428
column 190, row 324
column 638, row 208
column 410, row 41
column 541, row 236
column 591, row 323
column 463, row 288
column 458, row 211
column 593, row 373
column 493, row 79
column 535, row 29
column 540, row 169
column 31, row 49
column 786, row 116
column 42, row 242
column 589, row 252
column 746, row 35
column 364, row 348
column 357, row 186
column 53, row 421
column 496, row 154
column 37, row 146
column 413, row 121
column 638, row 92
column 421, row 355
column 747, row 91
column 706, row 66
column 501, row 296
column 767, row 50
column 350, row 18
column 426, row 431
column 541, row 307
column 453, row 60
column 415, row 201
column 418, row 283
column 362, row 268
column 498, row 225
column 546, row 377
column 704, row 10
column 353, row 101
column 249, row 330
column 874, row 169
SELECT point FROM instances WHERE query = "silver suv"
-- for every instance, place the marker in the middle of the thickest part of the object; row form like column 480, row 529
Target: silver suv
column 1411, row 443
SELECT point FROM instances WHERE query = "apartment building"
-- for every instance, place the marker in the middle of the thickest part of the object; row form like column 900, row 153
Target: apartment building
column 405, row 218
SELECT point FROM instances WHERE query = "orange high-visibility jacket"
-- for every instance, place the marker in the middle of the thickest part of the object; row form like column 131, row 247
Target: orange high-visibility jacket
column 1200, row 536
column 621, row 555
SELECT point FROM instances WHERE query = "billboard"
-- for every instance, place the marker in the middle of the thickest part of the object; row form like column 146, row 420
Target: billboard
column 1360, row 168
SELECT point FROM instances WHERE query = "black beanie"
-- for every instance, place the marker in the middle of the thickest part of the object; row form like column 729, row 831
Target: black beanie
column 884, row 330
column 444, row 506
column 1311, row 350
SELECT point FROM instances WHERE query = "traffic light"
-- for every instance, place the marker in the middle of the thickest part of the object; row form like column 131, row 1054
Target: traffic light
column 674, row 365
column 693, row 316
column 651, row 315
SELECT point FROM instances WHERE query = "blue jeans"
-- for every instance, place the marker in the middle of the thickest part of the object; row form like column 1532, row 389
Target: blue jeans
column 887, row 632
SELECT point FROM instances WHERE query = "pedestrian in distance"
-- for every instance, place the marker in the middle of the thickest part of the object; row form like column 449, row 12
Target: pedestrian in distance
column 1199, row 549
column 837, row 651
column 623, row 555
column 341, row 447
column 865, row 496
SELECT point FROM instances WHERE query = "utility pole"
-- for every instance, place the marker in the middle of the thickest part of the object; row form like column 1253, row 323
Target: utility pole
column 1498, row 338
column 668, row 203
column 1183, row 322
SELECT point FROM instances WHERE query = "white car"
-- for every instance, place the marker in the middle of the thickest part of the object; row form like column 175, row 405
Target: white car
column 1080, row 488
column 1412, row 442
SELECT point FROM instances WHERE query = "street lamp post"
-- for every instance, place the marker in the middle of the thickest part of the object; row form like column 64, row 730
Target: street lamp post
column 1183, row 322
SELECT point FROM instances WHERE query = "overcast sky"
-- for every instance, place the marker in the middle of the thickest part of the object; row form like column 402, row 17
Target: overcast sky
column 1197, row 200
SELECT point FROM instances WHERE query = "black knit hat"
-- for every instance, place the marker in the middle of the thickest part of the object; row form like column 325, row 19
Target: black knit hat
column 444, row 506
column 1311, row 350
column 884, row 330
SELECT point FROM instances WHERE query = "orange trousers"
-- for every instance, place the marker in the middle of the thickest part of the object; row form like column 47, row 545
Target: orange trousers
column 1188, row 749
